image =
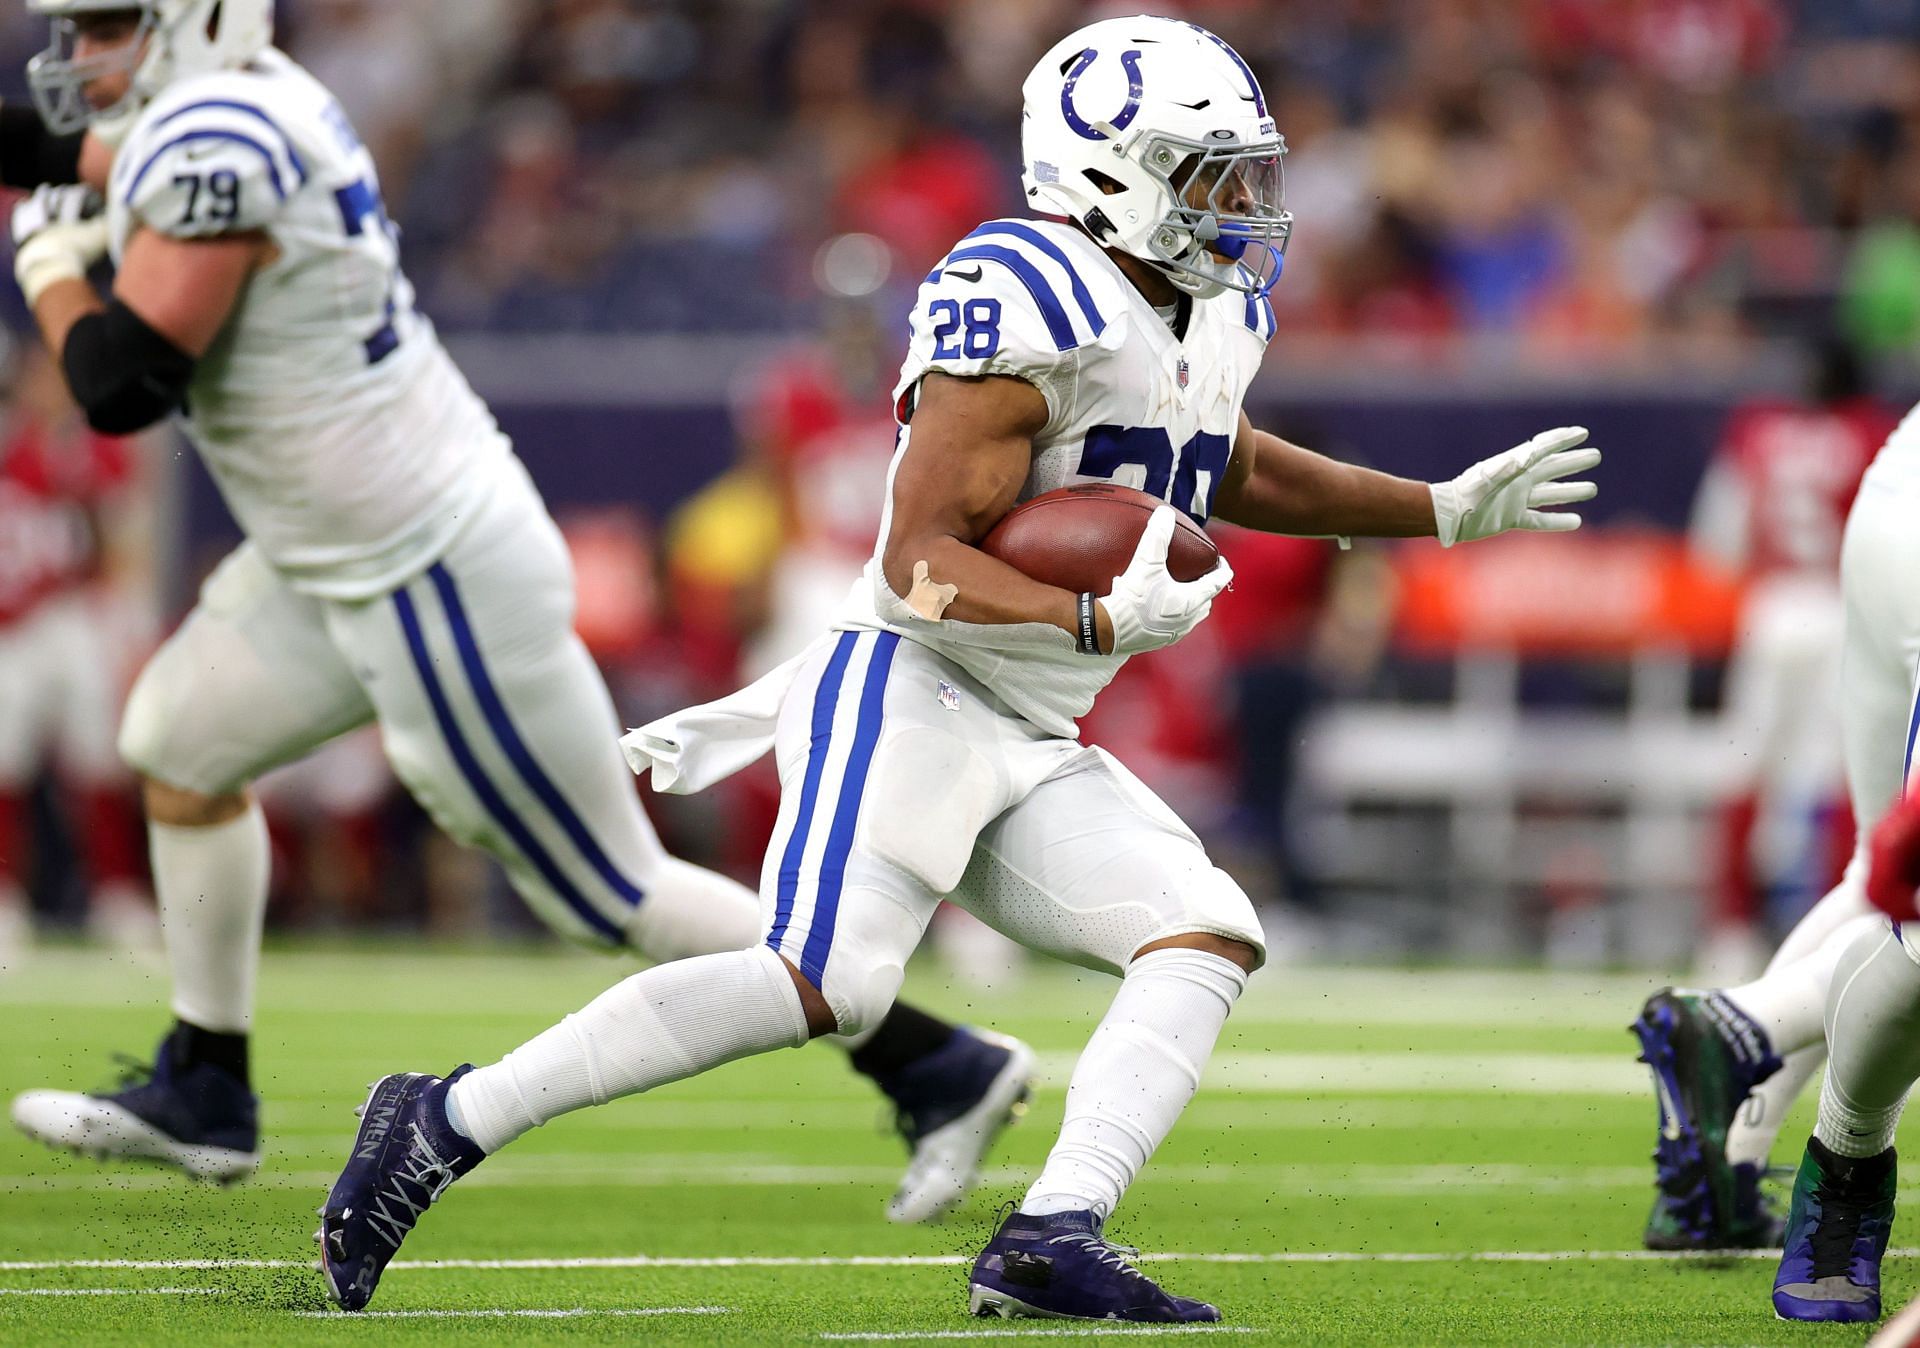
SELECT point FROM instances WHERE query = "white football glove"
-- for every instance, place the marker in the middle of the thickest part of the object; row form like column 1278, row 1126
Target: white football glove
column 59, row 233
column 1148, row 607
column 1514, row 489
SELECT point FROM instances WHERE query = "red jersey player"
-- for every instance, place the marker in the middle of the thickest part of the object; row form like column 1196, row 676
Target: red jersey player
column 1774, row 505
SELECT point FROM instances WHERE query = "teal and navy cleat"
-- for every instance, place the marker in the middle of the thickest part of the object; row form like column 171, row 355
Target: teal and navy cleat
column 1837, row 1231
column 1706, row 1056
column 1757, row 1221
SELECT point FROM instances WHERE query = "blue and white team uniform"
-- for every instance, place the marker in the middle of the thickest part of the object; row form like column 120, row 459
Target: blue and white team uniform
column 923, row 761
column 1880, row 666
column 399, row 564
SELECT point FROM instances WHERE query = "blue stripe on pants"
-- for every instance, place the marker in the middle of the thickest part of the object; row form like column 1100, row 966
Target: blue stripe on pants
column 1913, row 729
column 846, row 816
column 825, row 698
column 483, row 788
column 516, row 749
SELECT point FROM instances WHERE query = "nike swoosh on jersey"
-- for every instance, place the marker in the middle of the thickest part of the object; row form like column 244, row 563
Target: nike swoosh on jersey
column 973, row 275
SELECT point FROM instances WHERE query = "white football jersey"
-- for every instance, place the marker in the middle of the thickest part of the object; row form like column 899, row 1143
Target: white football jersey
column 342, row 436
column 1898, row 463
column 1130, row 403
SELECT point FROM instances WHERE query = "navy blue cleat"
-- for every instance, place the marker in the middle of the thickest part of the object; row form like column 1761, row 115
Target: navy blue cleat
column 1706, row 1057
column 1059, row 1267
column 950, row 1106
column 405, row 1156
column 199, row 1117
column 1837, row 1231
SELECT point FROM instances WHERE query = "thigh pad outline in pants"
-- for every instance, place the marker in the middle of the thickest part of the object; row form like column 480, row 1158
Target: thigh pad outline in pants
column 250, row 680
column 1090, row 866
column 882, row 794
column 495, row 718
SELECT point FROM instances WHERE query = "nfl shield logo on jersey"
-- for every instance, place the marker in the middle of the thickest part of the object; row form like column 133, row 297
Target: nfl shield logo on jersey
column 1181, row 372
column 949, row 696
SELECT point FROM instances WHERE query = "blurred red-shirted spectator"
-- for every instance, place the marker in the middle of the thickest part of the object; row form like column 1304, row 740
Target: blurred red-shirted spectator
column 1773, row 506
column 63, row 654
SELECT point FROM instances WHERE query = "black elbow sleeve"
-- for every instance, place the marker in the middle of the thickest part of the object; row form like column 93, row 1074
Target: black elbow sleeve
column 31, row 155
column 124, row 375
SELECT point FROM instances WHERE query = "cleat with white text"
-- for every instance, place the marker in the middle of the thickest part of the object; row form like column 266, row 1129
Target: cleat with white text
column 1837, row 1231
column 1059, row 1267
column 405, row 1156
column 198, row 1117
column 1706, row 1056
column 951, row 1106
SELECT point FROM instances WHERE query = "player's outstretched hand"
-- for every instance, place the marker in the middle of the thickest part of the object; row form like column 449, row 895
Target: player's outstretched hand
column 58, row 234
column 1893, row 871
column 1517, row 490
column 1148, row 607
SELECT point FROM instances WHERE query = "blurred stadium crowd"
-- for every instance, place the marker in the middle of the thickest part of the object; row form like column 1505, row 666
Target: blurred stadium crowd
column 1592, row 183
column 1580, row 172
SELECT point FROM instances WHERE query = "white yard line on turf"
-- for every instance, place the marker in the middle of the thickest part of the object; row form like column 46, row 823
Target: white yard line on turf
column 572, row 1313
column 667, row 1170
column 113, row 1291
column 937, row 1260
column 1052, row 1332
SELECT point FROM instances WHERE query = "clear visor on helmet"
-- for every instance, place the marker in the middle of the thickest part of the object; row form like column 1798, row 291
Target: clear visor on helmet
column 59, row 77
column 1229, row 225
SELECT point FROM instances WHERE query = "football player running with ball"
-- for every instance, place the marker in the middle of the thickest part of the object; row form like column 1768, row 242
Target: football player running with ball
column 399, row 567
column 926, row 746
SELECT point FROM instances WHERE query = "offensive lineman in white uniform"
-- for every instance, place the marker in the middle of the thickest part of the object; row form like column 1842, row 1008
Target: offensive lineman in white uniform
column 399, row 566
column 926, row 747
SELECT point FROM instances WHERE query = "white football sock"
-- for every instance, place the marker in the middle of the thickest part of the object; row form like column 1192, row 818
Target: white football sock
column 1789, row 1002
column 1751, row 1135
column 1873, row 1033
column 663, row 1024
column 690, row 911
column 1755, row 1128
column 211, row 884
column 1137, row 1073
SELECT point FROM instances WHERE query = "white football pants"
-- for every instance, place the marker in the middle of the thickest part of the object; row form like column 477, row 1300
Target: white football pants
column 904, row 782
column 490, row 710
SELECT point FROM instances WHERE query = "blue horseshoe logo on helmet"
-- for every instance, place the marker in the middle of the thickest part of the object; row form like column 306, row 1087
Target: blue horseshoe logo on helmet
column 1130, row 62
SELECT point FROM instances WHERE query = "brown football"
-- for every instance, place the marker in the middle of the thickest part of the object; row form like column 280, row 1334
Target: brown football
column 1080, row 538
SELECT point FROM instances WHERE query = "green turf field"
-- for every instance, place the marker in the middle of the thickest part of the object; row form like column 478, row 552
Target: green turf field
column 1375, row 1158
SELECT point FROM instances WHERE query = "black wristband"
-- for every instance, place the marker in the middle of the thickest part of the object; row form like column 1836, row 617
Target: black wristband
column 1089, row 629
column 30, row 155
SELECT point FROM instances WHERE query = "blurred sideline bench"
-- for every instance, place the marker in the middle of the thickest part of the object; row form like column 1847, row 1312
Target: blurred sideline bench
column 1594, row 816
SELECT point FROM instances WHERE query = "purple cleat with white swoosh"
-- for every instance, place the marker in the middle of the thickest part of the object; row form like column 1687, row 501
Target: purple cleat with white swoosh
column 1060, row 1267
column 404, row 1157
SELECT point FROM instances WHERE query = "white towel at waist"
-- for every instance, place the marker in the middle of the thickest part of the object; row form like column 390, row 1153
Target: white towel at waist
column 691, row 750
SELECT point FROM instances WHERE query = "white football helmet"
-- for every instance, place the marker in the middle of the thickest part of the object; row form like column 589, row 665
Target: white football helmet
column 176, row 38
column 1155, row 136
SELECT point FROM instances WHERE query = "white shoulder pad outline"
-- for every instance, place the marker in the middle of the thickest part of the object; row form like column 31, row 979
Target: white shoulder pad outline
column 210, row 160
column 1047, row 305
column 1075, row 302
